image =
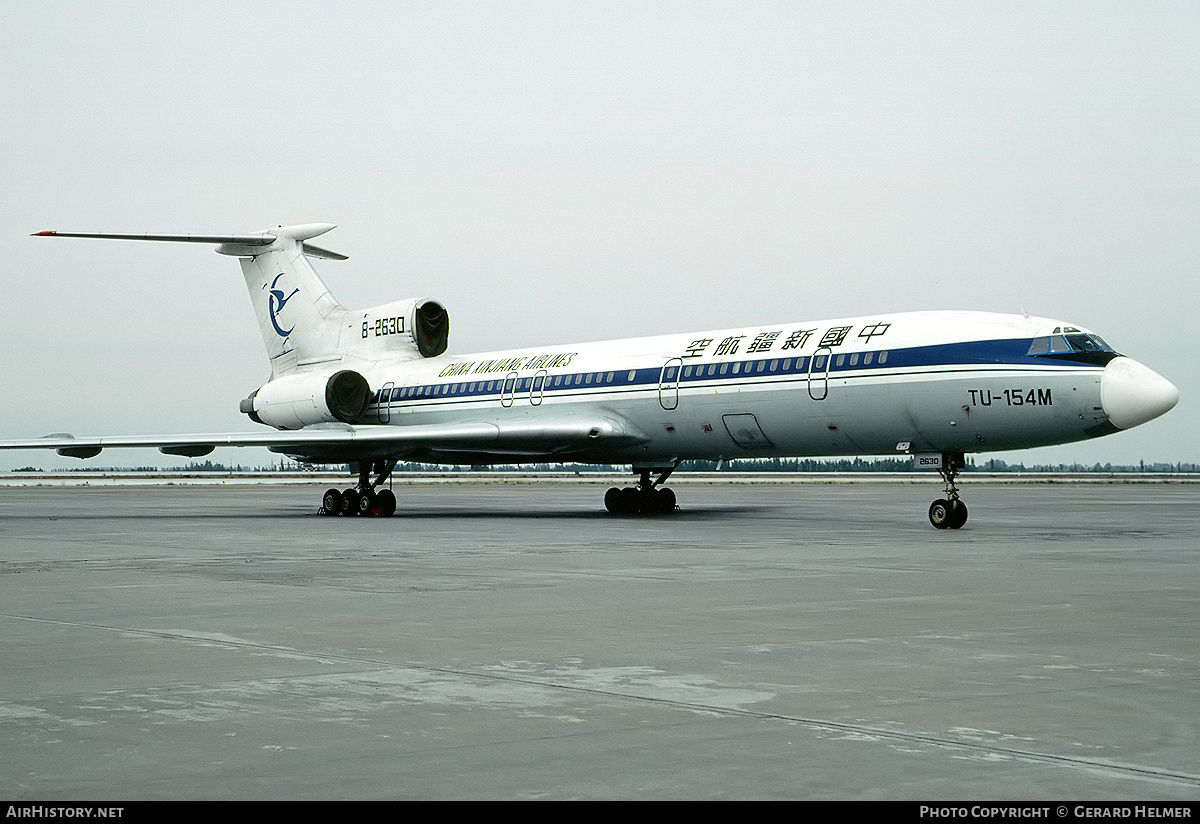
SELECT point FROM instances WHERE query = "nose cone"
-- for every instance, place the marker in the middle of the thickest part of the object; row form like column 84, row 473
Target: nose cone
column 1132, row 394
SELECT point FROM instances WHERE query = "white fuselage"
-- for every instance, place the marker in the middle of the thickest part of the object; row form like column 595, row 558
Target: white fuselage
column 912, row 382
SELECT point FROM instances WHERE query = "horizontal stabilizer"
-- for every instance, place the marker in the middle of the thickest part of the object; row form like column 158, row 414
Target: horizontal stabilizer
column 318, row 252
column 237, row 245
column 257, row 239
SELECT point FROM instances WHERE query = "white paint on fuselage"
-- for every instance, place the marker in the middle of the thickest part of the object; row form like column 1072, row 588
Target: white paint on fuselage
column 861, row 411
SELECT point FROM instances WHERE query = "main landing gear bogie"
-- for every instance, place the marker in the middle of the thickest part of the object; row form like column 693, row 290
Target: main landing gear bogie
column 367, row 503
column 364, row 499
column 647, row 498
column 634, row 500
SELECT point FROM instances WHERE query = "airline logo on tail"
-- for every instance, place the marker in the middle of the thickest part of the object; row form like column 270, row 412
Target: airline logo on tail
column 275, row 306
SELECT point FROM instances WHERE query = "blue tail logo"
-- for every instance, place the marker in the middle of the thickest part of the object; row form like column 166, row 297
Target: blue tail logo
column 275, row 305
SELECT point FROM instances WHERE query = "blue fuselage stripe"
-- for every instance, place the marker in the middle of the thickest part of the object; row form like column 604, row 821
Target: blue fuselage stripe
column 679, row 372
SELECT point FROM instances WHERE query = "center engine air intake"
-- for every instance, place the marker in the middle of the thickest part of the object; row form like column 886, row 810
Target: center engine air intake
column 431, row 327
column 409, row 328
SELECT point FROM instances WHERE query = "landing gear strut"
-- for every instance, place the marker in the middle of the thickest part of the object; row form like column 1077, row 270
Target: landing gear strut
column 647, row 497
column 363, row 499
column 950, row 513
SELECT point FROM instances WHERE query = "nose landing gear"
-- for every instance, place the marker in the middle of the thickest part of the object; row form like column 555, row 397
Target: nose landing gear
column 950, row 513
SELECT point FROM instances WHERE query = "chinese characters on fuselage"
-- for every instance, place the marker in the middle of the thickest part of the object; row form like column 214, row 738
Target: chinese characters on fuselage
column 796, row 339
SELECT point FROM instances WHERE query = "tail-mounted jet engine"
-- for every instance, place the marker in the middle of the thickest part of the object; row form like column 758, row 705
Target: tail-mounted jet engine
column 295, row 401
column 397, row 328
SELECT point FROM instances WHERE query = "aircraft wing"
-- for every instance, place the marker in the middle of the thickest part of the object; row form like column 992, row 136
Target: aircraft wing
column 346, row 443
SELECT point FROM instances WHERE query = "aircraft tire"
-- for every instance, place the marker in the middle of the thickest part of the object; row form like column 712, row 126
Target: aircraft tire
column 664, row 499
column 631, row 501
column 366, row 503
column 385, row 501
column 939, row 514
column 612, row 500
column 958, row 515
column 331, row 502
column 350, row 501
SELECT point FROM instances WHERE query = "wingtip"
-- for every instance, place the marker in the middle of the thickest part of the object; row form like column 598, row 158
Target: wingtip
column 47, row 233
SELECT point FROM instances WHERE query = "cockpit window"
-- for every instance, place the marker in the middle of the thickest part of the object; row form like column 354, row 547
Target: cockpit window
column 1074, row 345
column 1084, row 343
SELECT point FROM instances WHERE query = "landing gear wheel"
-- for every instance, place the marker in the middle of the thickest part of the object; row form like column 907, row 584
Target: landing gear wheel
column 366, row 502
column 612, row 500
column 385, row 502
column 350, row 499
column 331, row 503
column 945, row 514
column 664, row 499
column 958, row 515
column 631, row 501
column 939, row 514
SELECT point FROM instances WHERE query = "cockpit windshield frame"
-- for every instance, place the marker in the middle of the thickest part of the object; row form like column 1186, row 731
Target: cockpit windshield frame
column 1074, row 345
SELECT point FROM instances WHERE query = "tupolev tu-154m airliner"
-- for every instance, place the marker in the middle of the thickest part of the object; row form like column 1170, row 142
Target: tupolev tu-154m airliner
column 373, row 387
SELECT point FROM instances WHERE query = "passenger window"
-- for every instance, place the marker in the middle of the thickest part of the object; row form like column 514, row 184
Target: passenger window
column 712, row 369
column 609, row 378
column 724, row 368
column 737, row 368
column 883, row 358
column 632, row 375
column 854, row 359
column 841, row 359
column 787, row 365
column 774, row 365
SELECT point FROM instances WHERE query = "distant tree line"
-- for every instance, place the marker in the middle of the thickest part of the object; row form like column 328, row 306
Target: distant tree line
column 737, row 465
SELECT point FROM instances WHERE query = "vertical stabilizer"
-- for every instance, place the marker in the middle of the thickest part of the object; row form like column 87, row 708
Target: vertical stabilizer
column 301, row 322
column 298, row 317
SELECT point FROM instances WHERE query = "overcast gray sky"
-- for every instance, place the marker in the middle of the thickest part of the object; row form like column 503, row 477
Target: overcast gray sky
column 562, row 171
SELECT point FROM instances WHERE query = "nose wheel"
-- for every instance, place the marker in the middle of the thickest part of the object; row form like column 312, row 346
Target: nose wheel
column 949, row 512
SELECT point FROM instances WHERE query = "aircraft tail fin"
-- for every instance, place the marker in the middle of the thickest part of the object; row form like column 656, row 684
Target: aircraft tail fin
column 300, row 320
